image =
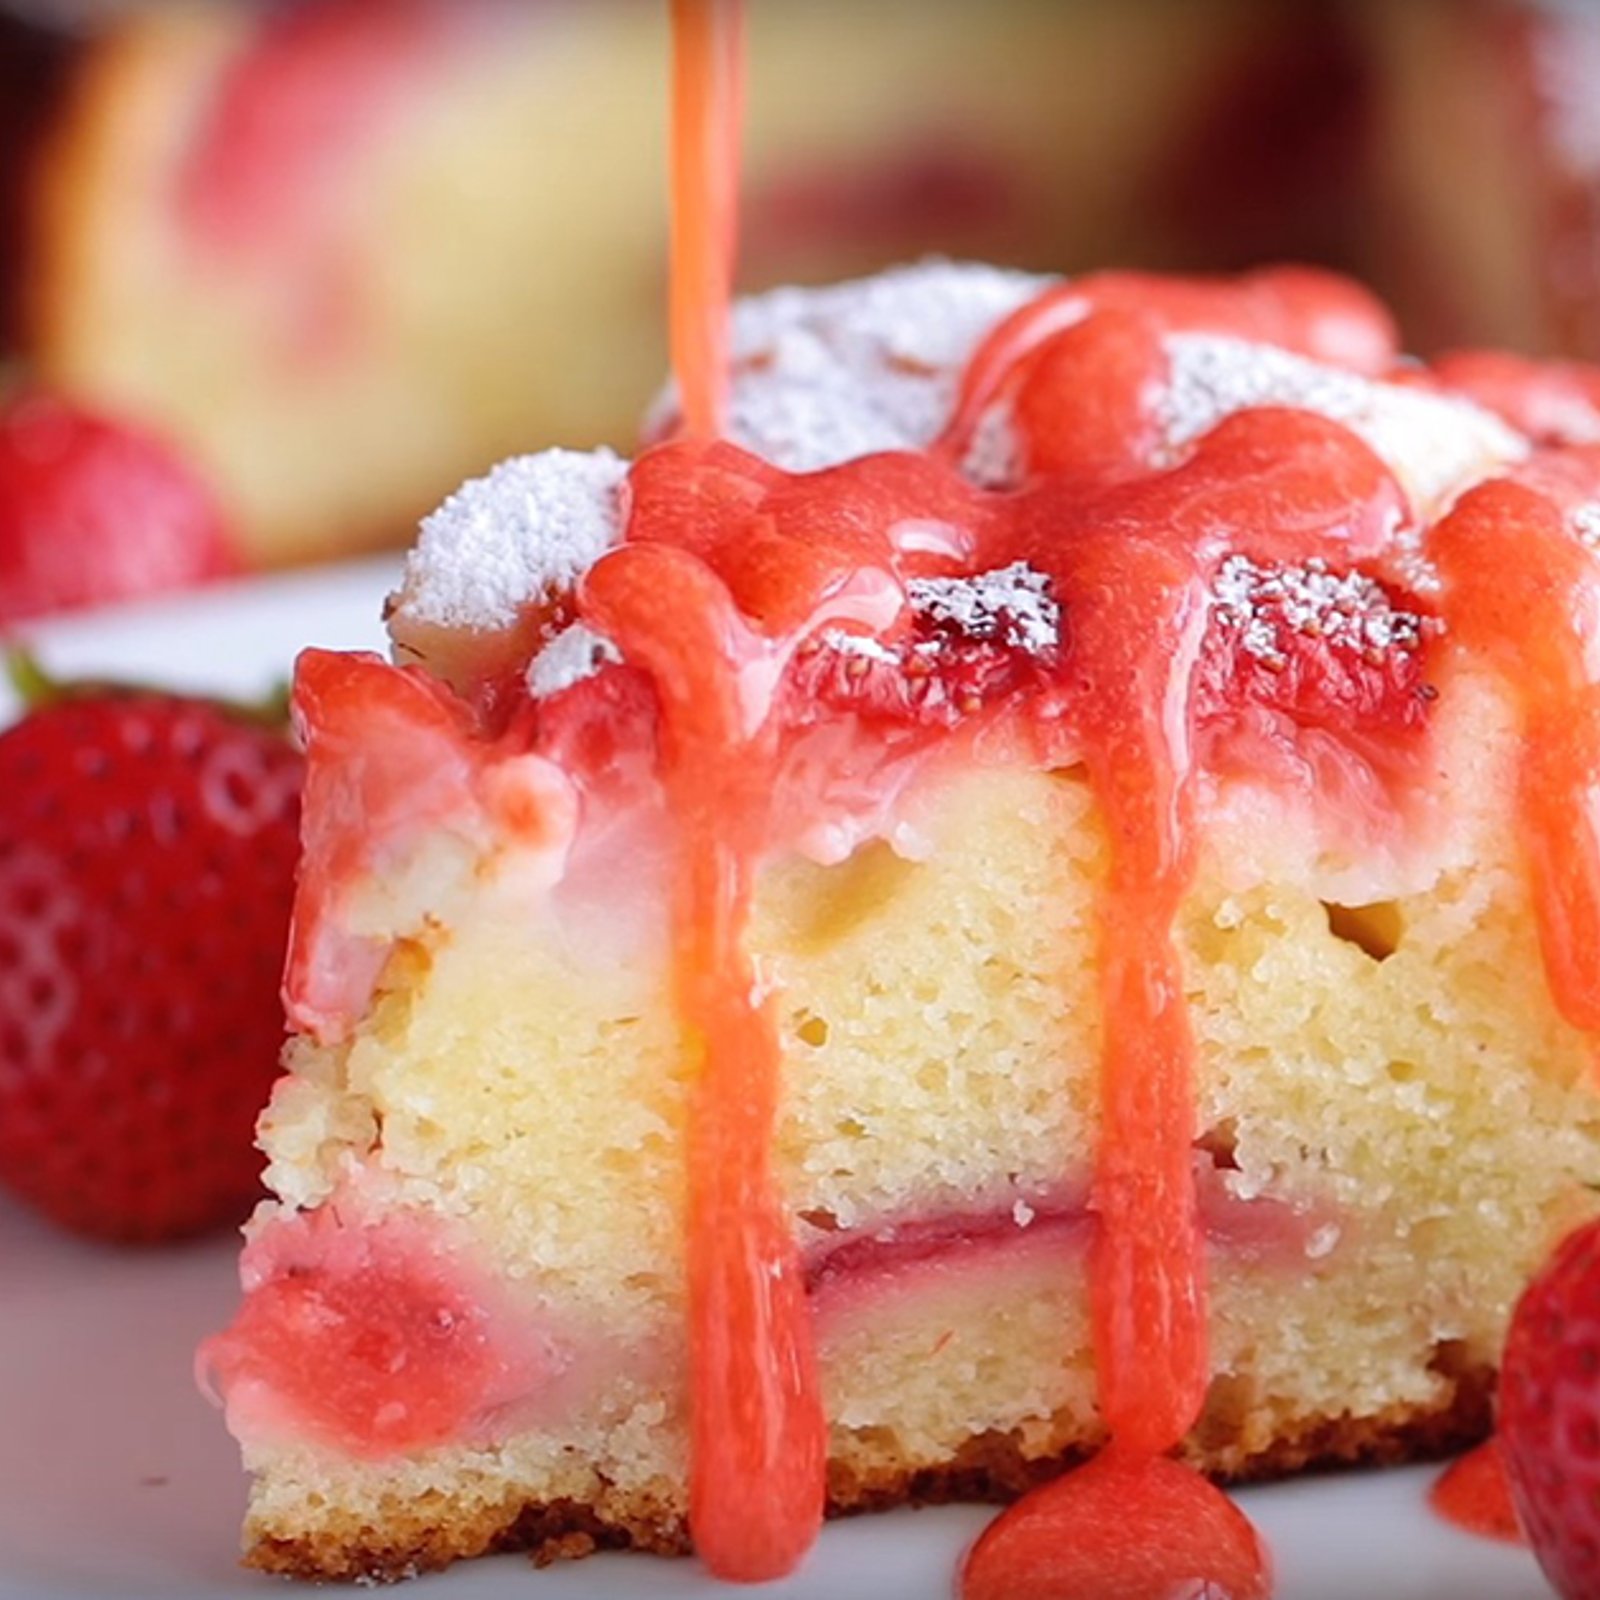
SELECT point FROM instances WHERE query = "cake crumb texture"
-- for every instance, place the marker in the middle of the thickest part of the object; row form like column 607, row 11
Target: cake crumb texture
column 1382, row 1078
column 406, row 1538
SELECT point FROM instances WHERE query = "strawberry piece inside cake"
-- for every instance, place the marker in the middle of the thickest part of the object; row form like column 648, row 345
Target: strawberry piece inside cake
column 1042, row 889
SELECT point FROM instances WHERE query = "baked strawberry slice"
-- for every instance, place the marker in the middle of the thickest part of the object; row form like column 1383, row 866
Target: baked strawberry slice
column 972, row 643
column 92, row 510
column 147, row 852
column 1325, row 648
column 604, row 726
column 391, row 753
column 270, row 162
column 376, row 1338
column 1320, row 647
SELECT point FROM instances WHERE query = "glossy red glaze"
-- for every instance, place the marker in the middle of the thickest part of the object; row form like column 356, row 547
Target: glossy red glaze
column 1474, row 1494
column 707, row 108
column 1522, row 594
column 1125, row 1527
column 1300, row 308
column 758, row 1439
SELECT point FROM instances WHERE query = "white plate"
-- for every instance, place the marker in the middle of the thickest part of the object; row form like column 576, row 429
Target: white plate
column 116, row 1479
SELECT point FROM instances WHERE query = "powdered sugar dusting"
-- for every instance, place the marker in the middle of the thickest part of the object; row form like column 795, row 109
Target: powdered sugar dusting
column 1344, row 608
column 859, row 647
column 824, row 375
column 528, row 529
column 576, row 653
column 1010, row 604
column 1408, row 559
column 1436, row 445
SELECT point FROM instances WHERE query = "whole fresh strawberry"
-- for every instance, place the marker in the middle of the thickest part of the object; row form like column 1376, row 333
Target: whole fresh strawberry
column 1550, row 1414
column 147, row 854
column 92, row 510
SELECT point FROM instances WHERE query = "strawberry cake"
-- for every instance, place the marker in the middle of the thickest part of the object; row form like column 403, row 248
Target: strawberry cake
column 1044, row 889
column 433, row 228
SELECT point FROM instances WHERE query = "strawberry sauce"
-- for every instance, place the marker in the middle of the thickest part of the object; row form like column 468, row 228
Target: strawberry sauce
column 758, row 1439
column 729, row 565
column 1125, row 1527
column 1523, row 595
column 708, row 103
column 1474, row 1494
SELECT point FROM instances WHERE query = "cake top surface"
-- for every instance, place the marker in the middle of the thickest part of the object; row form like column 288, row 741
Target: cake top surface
column 530, row 526
column 822, row 377
column 1434, row 442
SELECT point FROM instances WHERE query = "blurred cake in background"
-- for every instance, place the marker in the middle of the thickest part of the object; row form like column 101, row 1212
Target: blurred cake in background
column 1484, row 215
column 348, row 252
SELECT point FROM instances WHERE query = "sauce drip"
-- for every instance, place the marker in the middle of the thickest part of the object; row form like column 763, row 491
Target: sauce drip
column 1124, row 1527
column 1474, row 1494
column 729, row 565
column 758, row 1441
column 1135, row 565
column 758, row 1438
column 1522, row 594
column 707, row 108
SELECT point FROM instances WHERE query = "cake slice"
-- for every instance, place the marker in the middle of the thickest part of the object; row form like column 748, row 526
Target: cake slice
column 1045, row 887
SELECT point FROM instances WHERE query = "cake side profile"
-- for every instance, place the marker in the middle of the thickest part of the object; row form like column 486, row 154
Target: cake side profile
column 1106, row 708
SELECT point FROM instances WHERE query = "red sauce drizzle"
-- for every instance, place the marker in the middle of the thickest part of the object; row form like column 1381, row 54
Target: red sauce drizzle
column 758, row 1438
column 730, row 565
column 1521, row 593
column 1133, row 564
column 758, row 1441
column 707, row 107
column 1474, row 1494
column 1124, row 1527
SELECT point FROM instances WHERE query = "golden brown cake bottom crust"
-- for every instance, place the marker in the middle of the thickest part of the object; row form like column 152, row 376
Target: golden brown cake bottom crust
column 430, row 1533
